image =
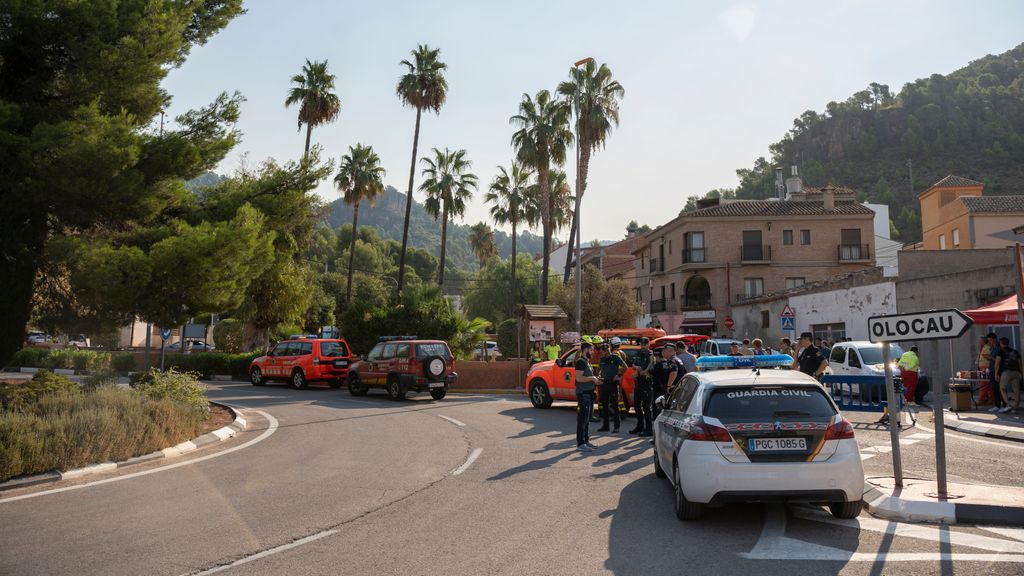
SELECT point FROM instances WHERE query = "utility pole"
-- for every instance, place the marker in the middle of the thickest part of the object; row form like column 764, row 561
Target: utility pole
column 579, row 183
column 149, row 325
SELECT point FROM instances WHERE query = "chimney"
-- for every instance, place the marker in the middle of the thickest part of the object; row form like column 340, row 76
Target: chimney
column 794, row 185
column 828, row 198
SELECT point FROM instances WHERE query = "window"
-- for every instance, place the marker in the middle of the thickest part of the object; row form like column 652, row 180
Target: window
column 753, row 287
column 830, row 332
column 673, row 285
column 765, row 319
column 304, row 349
column 956, row 237
column 282, row 349
column 794, row 282
column 376, row 352
column 805, row 237
column 389, row 352
column 694, row 247
column 753, row 249
column 942, row 241
column 838, row 355
column 433, row 349
column 662, row 292
column 730, row 407
column 333, row 349
column 787, row 237
column 854, row 360
column 670, row 246
column 402, row 350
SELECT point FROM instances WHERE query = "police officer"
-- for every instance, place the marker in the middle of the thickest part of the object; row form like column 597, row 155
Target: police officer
column 809, row 360
column 642, row 389
column 663, row 373
column 586, row 383
column 612, row 366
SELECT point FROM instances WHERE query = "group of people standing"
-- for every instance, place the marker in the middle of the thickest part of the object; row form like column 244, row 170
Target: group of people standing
column 1003, row 365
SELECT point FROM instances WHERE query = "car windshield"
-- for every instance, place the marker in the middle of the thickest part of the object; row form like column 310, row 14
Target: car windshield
column 873, row 354
column 435, row 349
column 333, row 349
column 759, row 404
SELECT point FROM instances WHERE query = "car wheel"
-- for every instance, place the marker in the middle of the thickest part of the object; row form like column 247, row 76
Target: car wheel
column 846, row 509
column 685, row 510
column 355, row 386
column 395, row 391
column 438, row 393
column 256, row 377
column 658, row 470
column 336, row 383
column 298, row 379
column 539, row 395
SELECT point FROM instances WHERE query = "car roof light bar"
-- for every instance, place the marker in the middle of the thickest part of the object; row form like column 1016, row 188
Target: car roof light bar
column 759, row 361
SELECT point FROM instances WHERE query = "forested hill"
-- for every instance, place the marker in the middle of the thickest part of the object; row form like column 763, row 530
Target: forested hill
column 969, row 123
column 388, row 215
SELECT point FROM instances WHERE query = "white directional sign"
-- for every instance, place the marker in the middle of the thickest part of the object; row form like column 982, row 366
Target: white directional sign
column 931, row 325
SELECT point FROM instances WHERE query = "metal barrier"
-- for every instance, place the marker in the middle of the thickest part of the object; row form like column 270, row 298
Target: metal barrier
column 860, row 393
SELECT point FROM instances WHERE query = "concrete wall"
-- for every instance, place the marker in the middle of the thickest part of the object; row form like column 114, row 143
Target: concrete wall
column 479, row 375
column 852, row 307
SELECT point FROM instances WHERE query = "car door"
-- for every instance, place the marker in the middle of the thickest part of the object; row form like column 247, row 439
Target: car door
column 368, row 371
column 667, row 426
column 837, row 361
column 853, row 360
column 386, row 361
column 563, row 377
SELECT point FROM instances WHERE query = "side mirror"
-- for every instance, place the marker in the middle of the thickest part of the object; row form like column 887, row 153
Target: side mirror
column 660, row 402
column 559, row 363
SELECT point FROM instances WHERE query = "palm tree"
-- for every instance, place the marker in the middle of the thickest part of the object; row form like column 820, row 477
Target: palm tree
column 510, row 197
column 424, row 88
column 448, row 186
column 360, row 178
column 595, row 95
column 481, row 240
column 561, row 200
column 313, row 93
column 543, row 137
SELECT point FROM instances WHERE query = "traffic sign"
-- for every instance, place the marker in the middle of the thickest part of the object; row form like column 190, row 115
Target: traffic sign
column 788, row 323
column 729, row 323
column 165, row 333
column 931, row 325
column 787, row 312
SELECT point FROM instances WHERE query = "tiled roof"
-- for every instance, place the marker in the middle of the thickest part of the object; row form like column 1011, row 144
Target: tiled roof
column 544, row 311
column 952, row 181
column 758, row 208
column 993, row 204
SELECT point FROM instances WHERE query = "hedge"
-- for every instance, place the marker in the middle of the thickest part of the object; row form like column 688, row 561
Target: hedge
column 69, row 358
column 208, row 364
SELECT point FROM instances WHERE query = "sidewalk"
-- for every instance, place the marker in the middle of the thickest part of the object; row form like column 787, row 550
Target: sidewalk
column 983, row 423
column 966, row 504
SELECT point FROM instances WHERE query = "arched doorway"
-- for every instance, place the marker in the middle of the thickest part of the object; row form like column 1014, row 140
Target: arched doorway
column 697, row 292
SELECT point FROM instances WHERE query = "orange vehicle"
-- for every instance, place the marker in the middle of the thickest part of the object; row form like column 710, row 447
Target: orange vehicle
column 550, row 381
column 688, row 339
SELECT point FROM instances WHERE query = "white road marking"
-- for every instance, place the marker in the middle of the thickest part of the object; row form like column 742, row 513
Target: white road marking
column 469, row 462
column 271, row 428
column 965, row 436
column 452, row 420
column 266, row 553
column 1015, row 533
column 775, row 545
column 872, row 451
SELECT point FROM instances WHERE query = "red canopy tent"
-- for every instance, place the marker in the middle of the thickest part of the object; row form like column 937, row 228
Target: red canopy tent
column 1002, row 312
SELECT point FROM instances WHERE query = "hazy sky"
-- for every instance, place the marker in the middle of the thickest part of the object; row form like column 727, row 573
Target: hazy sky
column 708, row 85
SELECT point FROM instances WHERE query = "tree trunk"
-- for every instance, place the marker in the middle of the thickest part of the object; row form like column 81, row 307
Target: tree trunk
column 408, row 204
column 444, row 242
column 582, row 187
column 22, row 243
column 515, row 292
column 544, row 182
column 352, row 252
column 309, row 132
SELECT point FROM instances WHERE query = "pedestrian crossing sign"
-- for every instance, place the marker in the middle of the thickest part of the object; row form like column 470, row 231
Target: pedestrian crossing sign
column 788, row 323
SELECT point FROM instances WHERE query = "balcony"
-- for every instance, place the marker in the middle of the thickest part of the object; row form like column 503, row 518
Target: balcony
column 746, row 296
column 658, row 306
column 657, row 266
column 755, row 253
column 853, row 252
column 694, row 255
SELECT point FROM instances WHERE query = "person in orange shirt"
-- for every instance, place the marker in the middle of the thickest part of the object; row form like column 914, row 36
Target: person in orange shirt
column 984, row 363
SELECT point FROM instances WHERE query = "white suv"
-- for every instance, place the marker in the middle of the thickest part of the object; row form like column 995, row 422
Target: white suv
column 861, row 358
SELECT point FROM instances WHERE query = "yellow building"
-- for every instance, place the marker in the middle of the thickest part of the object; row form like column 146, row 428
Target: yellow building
column 955, row 215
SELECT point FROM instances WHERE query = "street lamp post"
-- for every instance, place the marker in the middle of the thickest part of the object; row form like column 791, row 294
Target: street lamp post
column 576, row 212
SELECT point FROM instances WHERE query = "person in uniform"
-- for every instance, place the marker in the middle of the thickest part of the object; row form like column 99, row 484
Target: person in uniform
column 642, row 389
column 612, row 366
column 552, row 349
column 909, row 365
column 586, row 384
column 616, row 344
column 663, row 373
column 809, row 359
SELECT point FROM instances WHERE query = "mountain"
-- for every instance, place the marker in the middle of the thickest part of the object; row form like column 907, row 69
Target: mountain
column 969, row 123
column 388, row 215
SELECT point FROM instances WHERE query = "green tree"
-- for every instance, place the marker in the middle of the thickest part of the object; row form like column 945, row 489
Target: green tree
column 423, row 87
column 883, row 192
column 542, row 138
column 561, row 200
column 313, row 92
column 79, row 88
column 481, row 240
column 606, row 303
column 448, row 185
column 512, row 201
column 359, row 179
column 488, row 292
column 594, row 95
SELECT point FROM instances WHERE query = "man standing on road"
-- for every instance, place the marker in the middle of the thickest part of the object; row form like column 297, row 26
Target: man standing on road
column 662, row 374
column 552, row 349
column 586, row 383
column 612, row 368
column 993, row 377
column 1008, row 368
column 687, row 363
column 642, row 389
column 909, row 365
column 809, row 360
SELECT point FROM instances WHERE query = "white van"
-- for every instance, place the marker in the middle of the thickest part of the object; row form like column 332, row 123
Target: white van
column 717, row 346
column 862, row 358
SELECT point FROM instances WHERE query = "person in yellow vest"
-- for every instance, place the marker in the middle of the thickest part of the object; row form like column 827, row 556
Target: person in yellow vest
column 535, row 354
column 553, row 350
column 909, row 365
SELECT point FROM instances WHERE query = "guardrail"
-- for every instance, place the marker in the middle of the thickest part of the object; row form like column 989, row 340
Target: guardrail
column 860, row 393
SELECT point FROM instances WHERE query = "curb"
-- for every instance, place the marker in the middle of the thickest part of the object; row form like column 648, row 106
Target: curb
column 952, row 421
column 218, row 435
column 888, row 507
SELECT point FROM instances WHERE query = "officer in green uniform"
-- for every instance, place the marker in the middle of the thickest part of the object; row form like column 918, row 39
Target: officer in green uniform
column 586, row 384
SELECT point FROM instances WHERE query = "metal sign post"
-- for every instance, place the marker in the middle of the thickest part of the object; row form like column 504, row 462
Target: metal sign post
column 894, row 416
column 930, row 325
column 165, row 334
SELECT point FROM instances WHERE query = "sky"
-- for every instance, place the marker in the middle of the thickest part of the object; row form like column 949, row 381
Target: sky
column 708, row 85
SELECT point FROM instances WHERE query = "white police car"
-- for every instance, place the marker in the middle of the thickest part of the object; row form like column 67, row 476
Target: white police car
column 755, row 434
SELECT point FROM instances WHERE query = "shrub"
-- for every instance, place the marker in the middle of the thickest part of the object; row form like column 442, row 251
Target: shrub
column 507, row 340
column 123, row 362
column 181, row 387
column 30, row 358
column 20, row 397
column 227, row 335
column 97, row 378
column 208, row 364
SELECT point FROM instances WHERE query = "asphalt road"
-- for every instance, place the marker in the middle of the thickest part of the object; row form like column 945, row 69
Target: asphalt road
column 323, row 483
